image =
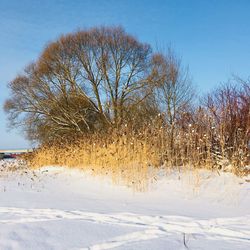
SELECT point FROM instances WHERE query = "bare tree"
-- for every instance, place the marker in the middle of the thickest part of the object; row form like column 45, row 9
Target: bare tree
column 173, row 89
column 83, row 81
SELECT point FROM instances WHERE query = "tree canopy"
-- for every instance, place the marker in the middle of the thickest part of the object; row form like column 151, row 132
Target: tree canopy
column 93, row 79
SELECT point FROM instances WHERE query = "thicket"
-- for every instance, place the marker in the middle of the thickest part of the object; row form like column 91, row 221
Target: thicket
column 101, row 100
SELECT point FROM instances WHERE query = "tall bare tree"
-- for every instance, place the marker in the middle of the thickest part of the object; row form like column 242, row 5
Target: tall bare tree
column 173, row 89
column 83, row 81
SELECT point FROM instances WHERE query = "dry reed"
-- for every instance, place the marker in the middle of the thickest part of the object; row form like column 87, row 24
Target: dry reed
column 132, row 158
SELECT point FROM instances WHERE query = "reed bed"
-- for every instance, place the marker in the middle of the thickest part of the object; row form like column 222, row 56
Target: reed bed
column 134, row 158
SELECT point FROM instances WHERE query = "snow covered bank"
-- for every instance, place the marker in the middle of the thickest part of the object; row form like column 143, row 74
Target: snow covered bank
column 61, row 208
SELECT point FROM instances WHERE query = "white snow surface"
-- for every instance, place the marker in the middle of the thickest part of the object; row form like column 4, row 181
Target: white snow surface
column 62, row 208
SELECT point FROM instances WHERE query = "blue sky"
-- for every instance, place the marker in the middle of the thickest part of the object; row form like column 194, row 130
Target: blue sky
column 212, row 37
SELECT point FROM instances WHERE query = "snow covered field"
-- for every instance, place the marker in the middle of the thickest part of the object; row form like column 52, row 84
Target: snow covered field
column 60, row 208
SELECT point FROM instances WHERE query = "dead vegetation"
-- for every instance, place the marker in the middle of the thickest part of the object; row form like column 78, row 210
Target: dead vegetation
column 134, row 158
column 101, row 100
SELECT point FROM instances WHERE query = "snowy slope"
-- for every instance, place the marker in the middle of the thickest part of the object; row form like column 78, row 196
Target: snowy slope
column 60, row 208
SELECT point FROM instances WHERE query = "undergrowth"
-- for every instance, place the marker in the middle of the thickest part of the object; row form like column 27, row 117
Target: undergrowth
column 133, row 158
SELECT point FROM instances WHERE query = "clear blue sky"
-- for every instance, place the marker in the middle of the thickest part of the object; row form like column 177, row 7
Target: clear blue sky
column 212, row 36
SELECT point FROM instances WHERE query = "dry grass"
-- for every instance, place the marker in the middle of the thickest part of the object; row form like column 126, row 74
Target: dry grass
column 127, row 159
column 133, row 158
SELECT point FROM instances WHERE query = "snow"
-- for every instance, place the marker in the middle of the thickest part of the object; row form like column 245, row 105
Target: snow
column 62, row 208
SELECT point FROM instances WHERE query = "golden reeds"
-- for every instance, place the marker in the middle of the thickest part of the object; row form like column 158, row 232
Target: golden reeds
column 133, row 158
